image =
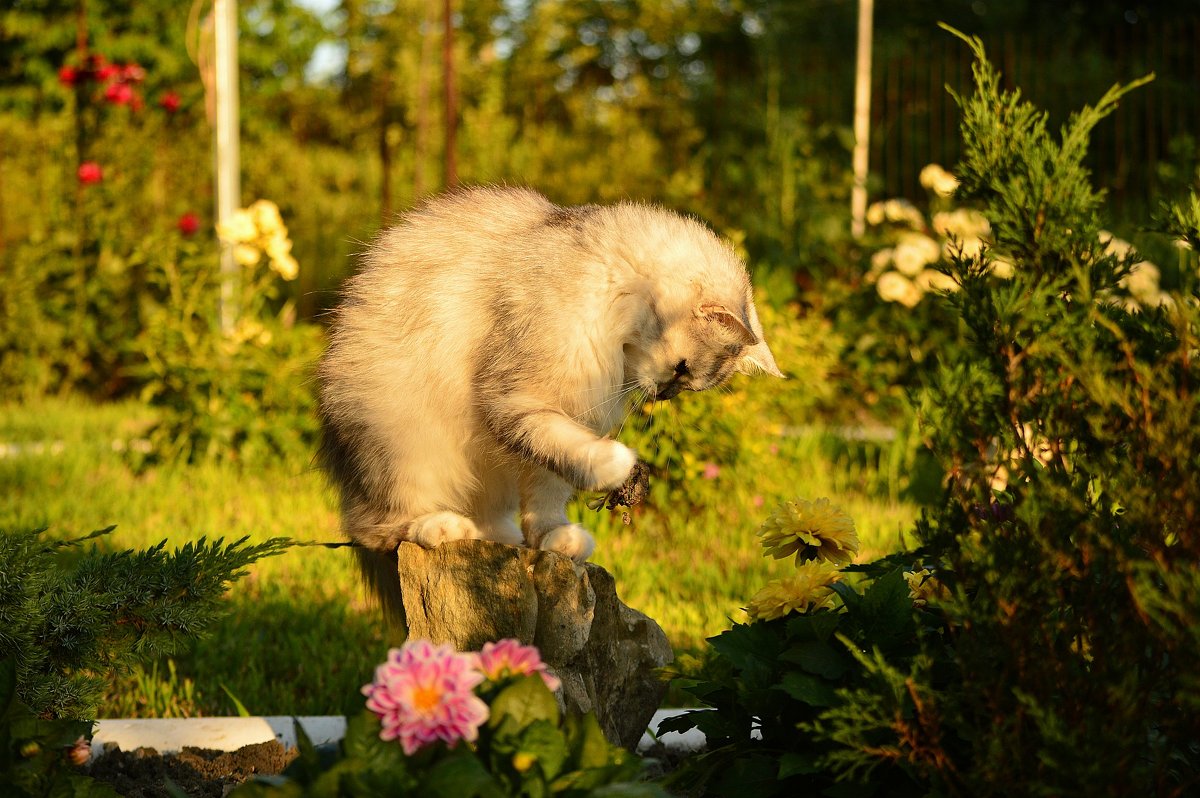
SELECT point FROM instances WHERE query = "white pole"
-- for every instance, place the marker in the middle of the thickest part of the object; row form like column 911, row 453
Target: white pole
column 228, row 159
column 862, row 119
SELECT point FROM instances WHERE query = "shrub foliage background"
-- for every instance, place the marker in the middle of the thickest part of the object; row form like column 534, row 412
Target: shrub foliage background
column 1056, row 658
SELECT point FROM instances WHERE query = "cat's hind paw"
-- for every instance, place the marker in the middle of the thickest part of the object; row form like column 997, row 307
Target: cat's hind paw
column 434, row 529
column 570, row 540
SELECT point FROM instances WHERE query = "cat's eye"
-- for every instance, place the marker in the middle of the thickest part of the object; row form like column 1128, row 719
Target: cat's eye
column 681, row 368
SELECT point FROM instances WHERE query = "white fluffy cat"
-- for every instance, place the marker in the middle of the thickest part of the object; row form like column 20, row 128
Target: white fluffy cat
column 484, row 351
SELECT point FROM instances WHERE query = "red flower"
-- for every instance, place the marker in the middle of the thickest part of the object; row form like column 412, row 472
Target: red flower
column 133, row 73
column 68, row 76
column 105, row 72
column 170, row 102
column 119, row 93
column 89, row 172
column 188, row 224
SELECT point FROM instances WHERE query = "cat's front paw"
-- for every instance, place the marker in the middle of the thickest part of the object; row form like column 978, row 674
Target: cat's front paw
column 434, row 529
column 570, row 540
column 611, row 464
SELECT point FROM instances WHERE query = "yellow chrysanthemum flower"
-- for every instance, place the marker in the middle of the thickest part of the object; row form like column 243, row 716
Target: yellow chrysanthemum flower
column 811, row 531
column 924, row 587
column 807, row 589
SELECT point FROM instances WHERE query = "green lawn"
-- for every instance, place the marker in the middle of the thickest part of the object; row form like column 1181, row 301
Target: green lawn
column 300, row 637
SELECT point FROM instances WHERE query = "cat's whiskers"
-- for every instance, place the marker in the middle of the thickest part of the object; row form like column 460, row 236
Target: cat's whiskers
column 623, row 391
column 629, row 408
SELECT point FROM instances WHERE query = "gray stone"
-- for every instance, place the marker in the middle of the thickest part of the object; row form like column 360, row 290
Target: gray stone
column 607, row 655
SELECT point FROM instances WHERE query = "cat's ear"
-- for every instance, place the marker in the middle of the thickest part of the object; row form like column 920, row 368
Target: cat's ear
column 757, row 357
column 730, row 322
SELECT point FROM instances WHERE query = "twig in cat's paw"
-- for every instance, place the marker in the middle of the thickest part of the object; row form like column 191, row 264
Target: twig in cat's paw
column 631, row 493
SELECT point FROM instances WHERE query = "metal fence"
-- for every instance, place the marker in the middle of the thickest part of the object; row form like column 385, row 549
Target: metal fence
column 1150, row 141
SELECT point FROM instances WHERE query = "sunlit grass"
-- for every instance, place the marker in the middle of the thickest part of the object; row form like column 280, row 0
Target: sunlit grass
column 300, row 637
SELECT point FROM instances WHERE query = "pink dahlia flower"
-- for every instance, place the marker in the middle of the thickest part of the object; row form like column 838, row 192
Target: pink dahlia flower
column 424, row 693
column 509, row 658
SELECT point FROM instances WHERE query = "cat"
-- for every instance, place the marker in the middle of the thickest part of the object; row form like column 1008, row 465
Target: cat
column 488, row 344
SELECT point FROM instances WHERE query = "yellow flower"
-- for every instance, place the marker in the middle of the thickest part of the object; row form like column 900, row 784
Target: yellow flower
column 903, row 212
column 1002, row 267
column 278, row 245
column 875, row 213
column 266, row 218
column 246, row 254
column 807, row 589
column 924, row 587
column 914, row 252
column 895, row 287
column 938, row 180
column 286, row 266
column 810, row 530
column 933, row 280
column 238, row 228
column 962, row 223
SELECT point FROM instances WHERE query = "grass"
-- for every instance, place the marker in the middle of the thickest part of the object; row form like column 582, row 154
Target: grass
column 300, row 636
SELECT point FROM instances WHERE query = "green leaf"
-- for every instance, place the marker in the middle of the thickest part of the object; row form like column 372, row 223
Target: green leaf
column 749, row 776
column 886, row 615
column 819, row 626
column 363, row 745
column 545, row 743
column 589, row 747
column 683, row 722
column 850, row 789
column 460, row 776
column 237, row 704
column 848, row 595
column 817, row 657
column 793, row 763
column 640, row 789
column 521, row 703
column 809, row 689
column 747, row 645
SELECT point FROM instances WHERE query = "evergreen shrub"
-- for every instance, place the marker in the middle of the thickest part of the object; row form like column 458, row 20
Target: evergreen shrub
column 68, row 626
column 1054, row 654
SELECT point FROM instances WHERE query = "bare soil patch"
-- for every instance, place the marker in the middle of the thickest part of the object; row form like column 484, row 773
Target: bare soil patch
column 200, row 772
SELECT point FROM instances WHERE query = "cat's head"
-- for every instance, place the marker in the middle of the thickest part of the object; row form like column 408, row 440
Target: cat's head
column 700, row 349
column 697, row 324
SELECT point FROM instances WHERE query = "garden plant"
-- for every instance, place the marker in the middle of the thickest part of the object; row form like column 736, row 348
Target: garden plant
column 1039, row 645
column 996, row 387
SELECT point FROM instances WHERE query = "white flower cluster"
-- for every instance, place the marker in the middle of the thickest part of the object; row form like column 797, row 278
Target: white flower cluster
column 1142, row 282
column 903, row 272
column 936, row 179
column 259, row 230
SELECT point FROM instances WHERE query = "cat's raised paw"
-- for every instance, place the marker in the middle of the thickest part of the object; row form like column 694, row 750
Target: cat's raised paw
column 570, row 540
column 611, row 464
column 434, row 529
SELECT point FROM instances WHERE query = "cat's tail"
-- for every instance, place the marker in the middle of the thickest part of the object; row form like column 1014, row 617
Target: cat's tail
column 380, row 574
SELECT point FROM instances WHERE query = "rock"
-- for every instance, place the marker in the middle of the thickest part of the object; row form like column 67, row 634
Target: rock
column 607, row 655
